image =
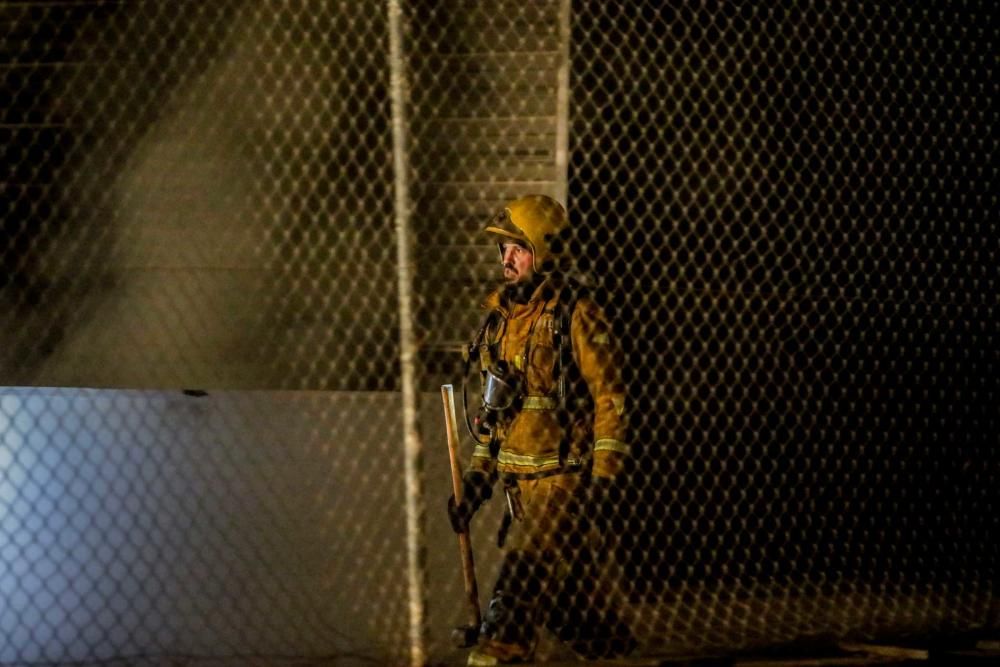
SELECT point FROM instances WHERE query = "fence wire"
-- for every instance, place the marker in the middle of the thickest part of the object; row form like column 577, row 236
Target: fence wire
column 785, row 214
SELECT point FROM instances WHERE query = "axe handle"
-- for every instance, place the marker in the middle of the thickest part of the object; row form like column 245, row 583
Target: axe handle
column 464, row 545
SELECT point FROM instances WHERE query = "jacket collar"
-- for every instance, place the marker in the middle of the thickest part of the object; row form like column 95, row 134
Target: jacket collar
column 495, row 300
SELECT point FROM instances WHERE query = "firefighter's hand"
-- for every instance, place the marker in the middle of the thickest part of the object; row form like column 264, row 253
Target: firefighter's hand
column 477, row 488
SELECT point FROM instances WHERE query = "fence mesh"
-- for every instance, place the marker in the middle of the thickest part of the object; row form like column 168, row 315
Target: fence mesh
column 774, row 202
column 783, row 213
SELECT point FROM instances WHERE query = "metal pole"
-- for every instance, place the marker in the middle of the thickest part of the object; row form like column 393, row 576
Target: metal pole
column 413, row 447
column 562, row 105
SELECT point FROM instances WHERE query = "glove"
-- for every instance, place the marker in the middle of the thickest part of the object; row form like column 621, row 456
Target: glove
column 477, row 488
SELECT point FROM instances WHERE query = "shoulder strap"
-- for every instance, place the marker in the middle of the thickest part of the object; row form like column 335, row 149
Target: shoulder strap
column 562, row 318
column 491, row 320
column 472, row 353
column 564, row 370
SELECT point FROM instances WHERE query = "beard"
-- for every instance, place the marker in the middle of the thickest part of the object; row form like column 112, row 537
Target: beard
column 520, row 289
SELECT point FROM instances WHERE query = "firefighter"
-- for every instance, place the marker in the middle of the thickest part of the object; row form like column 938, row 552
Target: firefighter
column 552, row 438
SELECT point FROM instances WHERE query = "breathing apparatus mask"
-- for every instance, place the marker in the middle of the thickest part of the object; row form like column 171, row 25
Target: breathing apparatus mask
column 503, row 388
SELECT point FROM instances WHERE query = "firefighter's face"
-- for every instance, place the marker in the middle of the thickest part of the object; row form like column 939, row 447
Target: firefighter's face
column 517, row 262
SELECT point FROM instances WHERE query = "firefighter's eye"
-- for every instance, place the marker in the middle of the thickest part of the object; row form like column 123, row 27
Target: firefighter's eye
column 518, row 249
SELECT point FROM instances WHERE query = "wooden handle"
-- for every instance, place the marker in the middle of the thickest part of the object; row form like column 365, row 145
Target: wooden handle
column 464, row 545
column 451, row 427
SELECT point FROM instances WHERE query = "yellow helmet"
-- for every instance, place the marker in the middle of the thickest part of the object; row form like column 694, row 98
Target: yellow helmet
column 536, row 221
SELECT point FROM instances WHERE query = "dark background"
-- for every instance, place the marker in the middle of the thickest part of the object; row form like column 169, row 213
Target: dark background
column 790, row 216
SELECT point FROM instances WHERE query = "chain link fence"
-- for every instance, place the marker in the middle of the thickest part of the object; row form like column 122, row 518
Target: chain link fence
column 785, row 213
column 785, row 210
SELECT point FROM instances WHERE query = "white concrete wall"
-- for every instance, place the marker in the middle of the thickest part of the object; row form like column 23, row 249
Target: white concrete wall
column 145, row 523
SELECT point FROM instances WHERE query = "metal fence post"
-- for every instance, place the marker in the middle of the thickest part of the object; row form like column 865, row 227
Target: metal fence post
column 407, row 357
column 562, row 103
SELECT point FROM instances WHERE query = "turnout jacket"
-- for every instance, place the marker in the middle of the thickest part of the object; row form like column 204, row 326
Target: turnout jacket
column 549, row 433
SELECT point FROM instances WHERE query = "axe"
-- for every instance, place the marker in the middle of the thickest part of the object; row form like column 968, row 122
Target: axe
column 465, row 635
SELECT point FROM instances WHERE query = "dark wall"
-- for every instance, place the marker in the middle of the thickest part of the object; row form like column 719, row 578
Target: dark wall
column 37, row 147
column 197, row 196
